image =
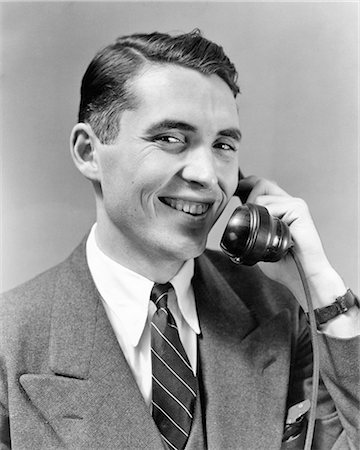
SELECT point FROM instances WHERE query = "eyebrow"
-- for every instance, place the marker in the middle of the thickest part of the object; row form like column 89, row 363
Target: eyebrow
column 233, row 133
column 164, row 125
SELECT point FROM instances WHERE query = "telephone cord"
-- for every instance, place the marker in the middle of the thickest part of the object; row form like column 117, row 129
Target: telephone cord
column 315, row 346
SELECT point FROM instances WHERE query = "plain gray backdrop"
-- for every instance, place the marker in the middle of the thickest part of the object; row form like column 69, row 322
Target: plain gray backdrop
column 298, row 69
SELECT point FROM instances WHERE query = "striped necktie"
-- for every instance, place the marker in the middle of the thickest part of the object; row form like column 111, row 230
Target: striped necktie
column 174, row 384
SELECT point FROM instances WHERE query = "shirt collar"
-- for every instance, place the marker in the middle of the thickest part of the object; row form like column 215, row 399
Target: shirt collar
column 127, row 293
column 185, row 294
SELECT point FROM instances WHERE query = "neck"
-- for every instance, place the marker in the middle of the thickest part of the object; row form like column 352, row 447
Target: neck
column 155, row 267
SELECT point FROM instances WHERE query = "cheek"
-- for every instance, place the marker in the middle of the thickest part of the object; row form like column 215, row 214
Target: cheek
column 130, row 192
column 229, row 180
column 234, row 183
column 116, row 172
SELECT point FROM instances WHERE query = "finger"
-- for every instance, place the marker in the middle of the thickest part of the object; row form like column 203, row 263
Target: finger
column 264, row 187
column 285, row 207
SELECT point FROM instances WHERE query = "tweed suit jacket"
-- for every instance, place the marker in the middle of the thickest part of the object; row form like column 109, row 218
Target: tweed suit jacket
column 65, row 382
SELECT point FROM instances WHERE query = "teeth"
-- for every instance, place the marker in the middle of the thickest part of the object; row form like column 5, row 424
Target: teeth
column 193, row 209
column 178, row 205
column 187, row 207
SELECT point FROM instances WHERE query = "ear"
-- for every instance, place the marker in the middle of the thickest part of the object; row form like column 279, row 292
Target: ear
column 83, row 147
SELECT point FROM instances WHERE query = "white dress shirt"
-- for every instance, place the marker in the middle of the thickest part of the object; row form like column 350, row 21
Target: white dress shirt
column 126, row 299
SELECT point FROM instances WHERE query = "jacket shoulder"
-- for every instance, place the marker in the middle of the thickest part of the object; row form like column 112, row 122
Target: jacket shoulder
column 31, row 302
column 25, row 322
column 31, row 292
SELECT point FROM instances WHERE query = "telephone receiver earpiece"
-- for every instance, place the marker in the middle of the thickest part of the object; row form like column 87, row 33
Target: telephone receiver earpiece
column 253, row 235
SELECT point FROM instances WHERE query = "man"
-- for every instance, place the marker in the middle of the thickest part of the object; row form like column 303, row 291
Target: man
column 217, row 358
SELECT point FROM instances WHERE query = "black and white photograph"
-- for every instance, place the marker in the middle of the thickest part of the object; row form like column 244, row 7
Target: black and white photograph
column 179, row 233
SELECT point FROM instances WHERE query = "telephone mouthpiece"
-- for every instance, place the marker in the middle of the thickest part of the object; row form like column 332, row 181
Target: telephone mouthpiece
column 253, row 235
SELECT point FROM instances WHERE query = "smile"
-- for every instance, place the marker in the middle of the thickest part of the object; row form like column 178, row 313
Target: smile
column 193, row 208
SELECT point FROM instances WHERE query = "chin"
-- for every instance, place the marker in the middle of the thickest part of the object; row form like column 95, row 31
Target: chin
column 180, row 246
column 191, row 250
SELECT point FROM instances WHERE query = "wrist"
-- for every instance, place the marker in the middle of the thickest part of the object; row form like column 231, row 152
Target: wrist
column 340, row 319
column 343, row 326
column 325, row 287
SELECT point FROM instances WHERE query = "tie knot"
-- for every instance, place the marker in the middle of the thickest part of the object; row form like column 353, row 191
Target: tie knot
column 159, row 294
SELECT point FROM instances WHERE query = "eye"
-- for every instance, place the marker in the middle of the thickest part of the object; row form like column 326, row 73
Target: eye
column 168, row 139
column 225, row 146
column 173, row 142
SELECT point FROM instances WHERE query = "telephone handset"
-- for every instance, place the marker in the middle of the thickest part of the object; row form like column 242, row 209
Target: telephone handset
column 253, row 235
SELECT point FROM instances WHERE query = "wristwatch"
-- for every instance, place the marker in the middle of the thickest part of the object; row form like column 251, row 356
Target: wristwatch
column 340, row 306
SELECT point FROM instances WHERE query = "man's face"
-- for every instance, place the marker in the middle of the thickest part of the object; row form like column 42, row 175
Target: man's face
column 173, row 166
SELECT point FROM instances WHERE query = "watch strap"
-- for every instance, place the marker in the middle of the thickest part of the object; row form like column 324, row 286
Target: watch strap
column 340, row 306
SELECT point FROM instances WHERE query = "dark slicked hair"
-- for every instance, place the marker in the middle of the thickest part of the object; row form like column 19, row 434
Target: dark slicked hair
column 105, row 88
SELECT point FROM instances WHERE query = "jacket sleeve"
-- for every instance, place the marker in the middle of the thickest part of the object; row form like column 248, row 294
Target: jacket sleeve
column 340, row 371
column 337, row 415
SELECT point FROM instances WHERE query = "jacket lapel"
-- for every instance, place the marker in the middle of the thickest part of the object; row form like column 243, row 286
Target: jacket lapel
column 90, row 398
column 244, row 366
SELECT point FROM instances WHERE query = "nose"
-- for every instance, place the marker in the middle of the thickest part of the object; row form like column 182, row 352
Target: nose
column 200, row 168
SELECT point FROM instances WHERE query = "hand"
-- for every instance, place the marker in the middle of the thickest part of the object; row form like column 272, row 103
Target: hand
column 324, row 283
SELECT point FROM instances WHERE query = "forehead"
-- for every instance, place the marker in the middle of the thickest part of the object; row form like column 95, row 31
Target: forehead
column 181, row 93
